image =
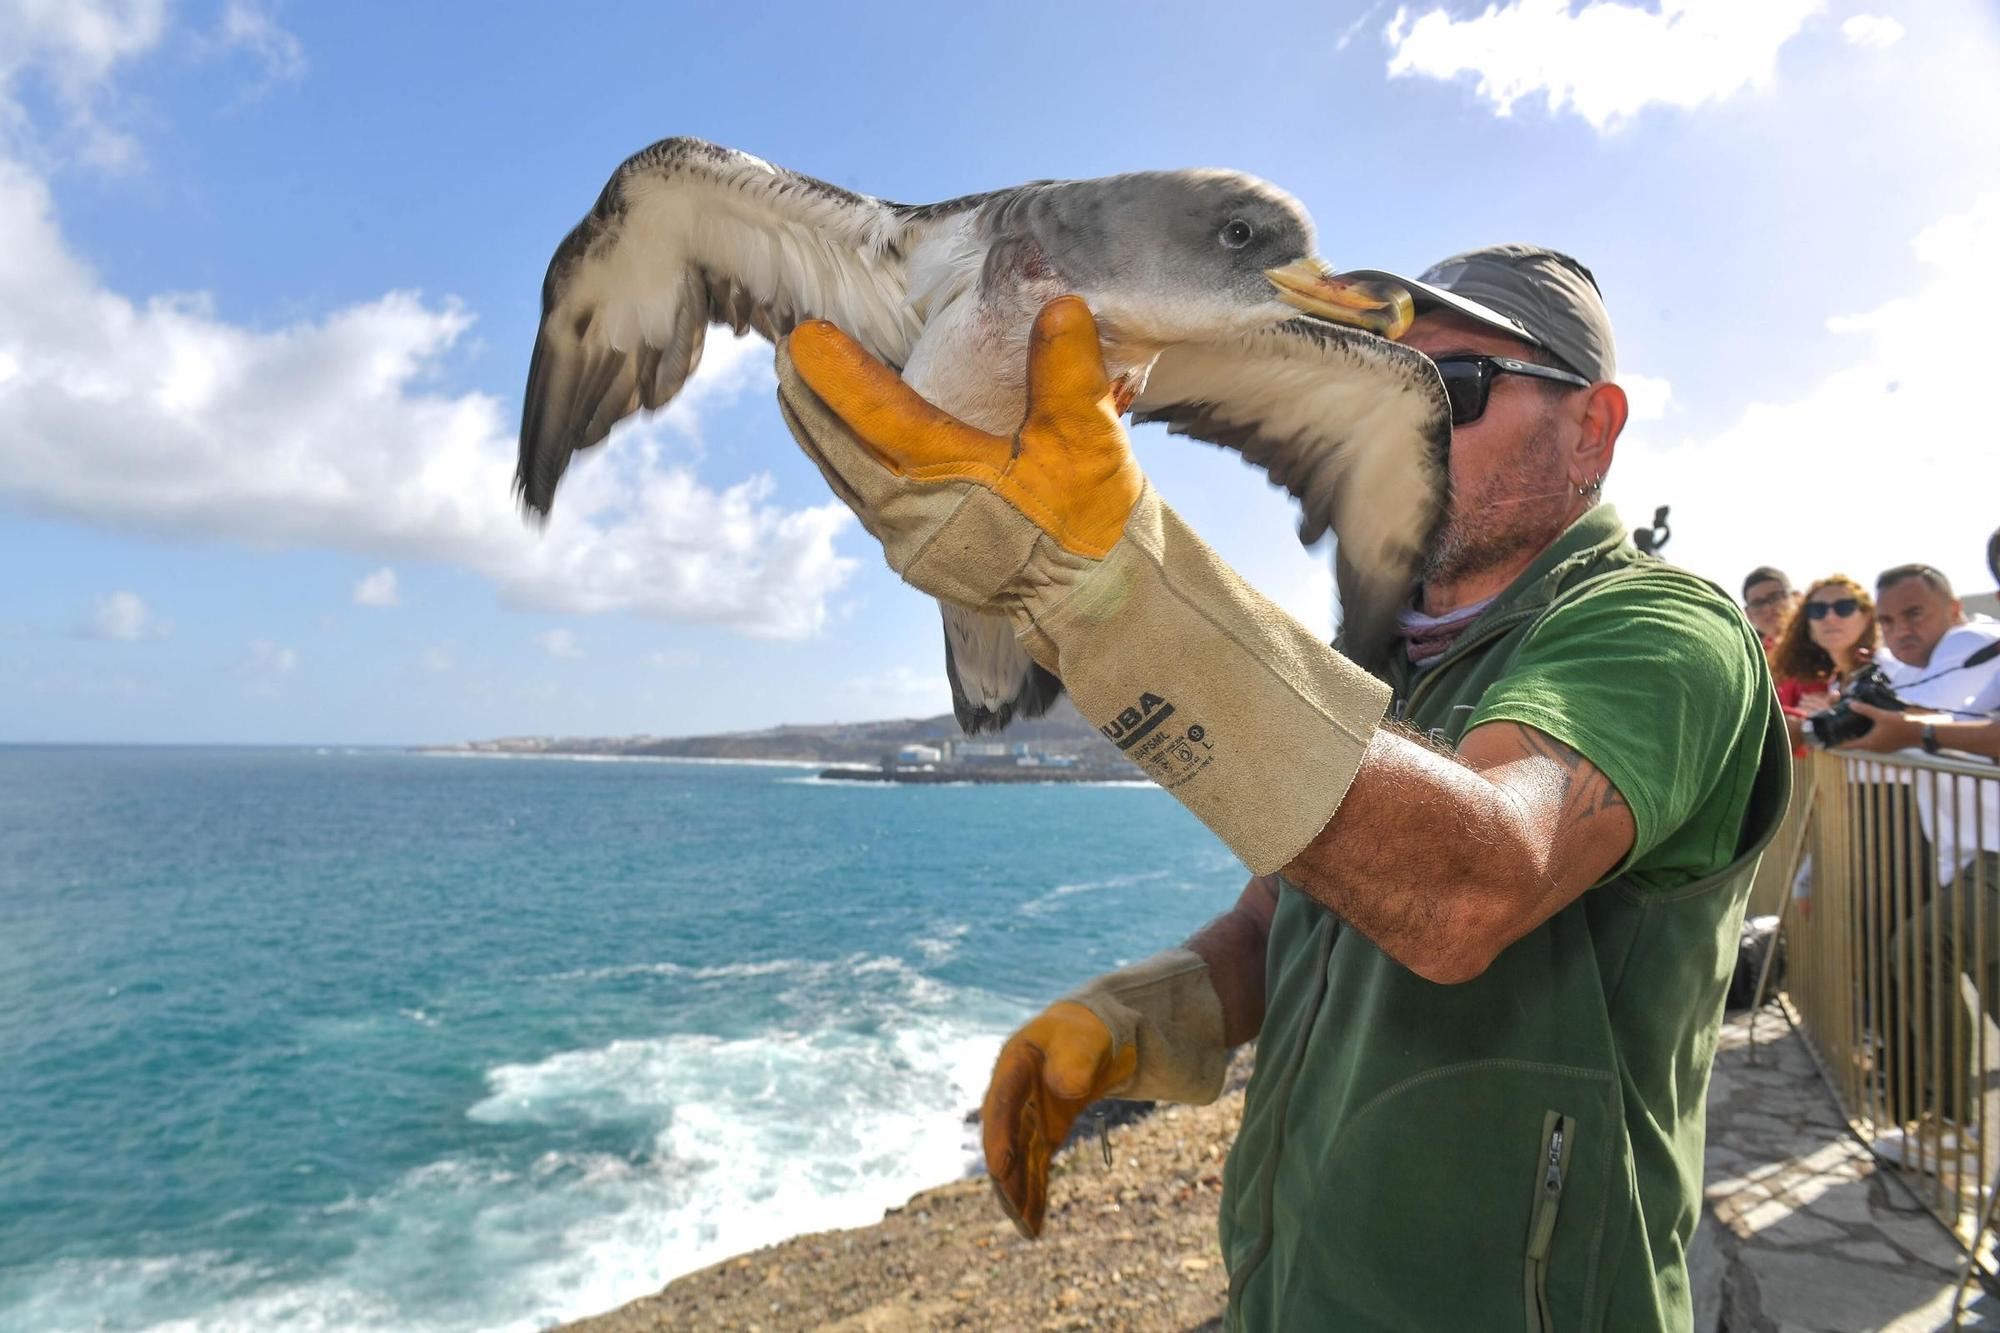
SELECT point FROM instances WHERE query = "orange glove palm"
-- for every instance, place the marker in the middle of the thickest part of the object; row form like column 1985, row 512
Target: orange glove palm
column 1047, row 1073
column 1070, row 469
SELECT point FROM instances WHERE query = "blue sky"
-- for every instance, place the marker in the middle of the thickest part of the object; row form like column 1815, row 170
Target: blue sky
column 269, row 276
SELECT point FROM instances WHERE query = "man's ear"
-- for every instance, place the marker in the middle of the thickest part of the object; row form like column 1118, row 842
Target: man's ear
column 1604, row 414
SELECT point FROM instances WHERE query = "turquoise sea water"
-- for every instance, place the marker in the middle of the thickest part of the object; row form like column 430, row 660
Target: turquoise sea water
column 332, row 1040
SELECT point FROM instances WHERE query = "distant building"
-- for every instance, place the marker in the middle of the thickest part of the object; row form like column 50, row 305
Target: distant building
column 980, row 752
column 919, row 756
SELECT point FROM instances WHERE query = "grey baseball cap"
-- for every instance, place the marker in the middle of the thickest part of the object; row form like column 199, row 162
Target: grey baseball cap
column 1540, row 296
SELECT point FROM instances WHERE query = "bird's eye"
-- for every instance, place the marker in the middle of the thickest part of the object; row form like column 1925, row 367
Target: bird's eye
column 1236, row 233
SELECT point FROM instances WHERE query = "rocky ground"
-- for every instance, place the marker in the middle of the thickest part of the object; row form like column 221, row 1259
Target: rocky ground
column 1803, row 1230
column 1130, row 1247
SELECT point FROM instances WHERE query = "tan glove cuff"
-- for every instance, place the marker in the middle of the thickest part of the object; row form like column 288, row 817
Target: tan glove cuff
column 1167, row 1008
column 1220, row 696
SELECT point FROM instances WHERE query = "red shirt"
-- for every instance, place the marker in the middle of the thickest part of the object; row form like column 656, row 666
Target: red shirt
column 1791, row 689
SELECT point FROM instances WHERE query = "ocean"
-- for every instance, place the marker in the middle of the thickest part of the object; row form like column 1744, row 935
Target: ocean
column 334, row 1039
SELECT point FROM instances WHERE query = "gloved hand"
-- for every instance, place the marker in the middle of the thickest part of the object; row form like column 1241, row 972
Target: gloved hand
column 1219, row 696
column 1061, row 1062
column 969, row 517
column 1151, row 1031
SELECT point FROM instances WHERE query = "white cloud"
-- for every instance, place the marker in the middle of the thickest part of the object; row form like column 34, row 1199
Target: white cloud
column 1648, row 395
column 1353, row 30
column 670, row 659
column 74, row 45
column 437, row 659
column 1885, row 460
column 265, row 664
column 378, row 589
column 247, row 27
column 1876, row 30
column 123, row 617
column 899, row 691
column 164, row 419
column 559, row 643
column 1304, row 588
column 1605, row 61
column 266, row 658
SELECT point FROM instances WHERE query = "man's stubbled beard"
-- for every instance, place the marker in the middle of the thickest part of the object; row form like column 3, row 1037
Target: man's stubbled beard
column 1517, row 511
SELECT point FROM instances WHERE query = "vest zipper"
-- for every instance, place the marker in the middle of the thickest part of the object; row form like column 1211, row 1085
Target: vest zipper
column 1558, row 1139
column 1269, row 1187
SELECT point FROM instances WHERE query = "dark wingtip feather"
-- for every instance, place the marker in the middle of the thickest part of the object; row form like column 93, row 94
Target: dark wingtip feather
column 1038, row 692
column 1043, row 689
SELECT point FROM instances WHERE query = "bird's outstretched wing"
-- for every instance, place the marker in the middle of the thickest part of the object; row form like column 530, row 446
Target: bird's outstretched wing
column 1355, row 427
column 688, row 234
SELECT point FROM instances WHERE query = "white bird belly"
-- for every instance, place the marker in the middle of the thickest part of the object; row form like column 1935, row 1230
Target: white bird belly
column 973, row 362
column 972, row 358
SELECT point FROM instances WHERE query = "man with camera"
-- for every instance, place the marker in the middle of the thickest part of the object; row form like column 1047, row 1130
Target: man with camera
column 1944, row 675
column 1498, row 889
column 1950, row 703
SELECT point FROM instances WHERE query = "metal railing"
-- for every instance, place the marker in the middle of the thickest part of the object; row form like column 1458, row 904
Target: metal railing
column 1886, row 874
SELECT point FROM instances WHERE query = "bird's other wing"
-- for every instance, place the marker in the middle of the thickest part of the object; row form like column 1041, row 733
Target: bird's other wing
column 1357, row 428
column 688, row 234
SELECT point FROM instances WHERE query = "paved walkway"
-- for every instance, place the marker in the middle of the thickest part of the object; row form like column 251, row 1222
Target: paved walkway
column 1803, row 1231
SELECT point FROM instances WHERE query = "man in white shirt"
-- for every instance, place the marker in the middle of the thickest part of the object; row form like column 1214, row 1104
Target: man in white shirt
column 1930, row 646
column 1928, row 632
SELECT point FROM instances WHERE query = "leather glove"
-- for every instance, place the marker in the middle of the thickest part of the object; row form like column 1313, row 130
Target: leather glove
column 1151, row 1031
column 1061, row 1062
column 962, row 514
column 1219, row 696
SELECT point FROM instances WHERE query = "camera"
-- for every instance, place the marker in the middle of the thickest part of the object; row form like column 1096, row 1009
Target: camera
column 1840, row 724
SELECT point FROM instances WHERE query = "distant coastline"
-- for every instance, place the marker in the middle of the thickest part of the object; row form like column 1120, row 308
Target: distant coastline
column 474, row 750
column 1059, row 747
column 989, row 774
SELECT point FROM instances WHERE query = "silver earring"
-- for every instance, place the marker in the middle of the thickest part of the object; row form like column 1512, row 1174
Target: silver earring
column 1588, row 490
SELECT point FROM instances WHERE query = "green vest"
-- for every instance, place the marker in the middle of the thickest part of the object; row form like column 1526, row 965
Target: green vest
column 1522, row 1150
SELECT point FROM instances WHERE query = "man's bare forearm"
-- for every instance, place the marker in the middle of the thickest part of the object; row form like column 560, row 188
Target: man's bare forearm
column 1980, row 738
column 1234, row 947
column 1443, row 861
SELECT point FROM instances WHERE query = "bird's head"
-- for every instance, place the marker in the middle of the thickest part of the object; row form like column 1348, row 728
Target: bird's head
column 1174, row 256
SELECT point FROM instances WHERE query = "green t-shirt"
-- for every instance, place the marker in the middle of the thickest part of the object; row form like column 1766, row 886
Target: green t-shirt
column 1537, row 1129
column 1658, row 693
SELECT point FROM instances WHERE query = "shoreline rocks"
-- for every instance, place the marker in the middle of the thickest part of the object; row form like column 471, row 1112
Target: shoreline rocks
column 1131, row 1246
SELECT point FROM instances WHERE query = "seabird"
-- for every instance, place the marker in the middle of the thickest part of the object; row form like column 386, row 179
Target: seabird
column 1198, row 280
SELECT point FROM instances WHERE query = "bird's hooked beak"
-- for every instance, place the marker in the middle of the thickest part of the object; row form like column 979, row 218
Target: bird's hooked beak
column 1382, row 308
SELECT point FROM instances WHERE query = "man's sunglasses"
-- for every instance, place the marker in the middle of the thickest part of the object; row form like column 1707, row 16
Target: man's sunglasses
column 1767, row 601
column 1468, row 379
column 1843, row 608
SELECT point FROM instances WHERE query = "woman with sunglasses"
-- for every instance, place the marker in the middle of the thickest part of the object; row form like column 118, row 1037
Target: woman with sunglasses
column 1832, row 635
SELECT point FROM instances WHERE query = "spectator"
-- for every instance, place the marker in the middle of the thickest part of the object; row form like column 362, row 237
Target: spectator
column 1931, row 639
column 1769, row 600
column 1831, row 635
